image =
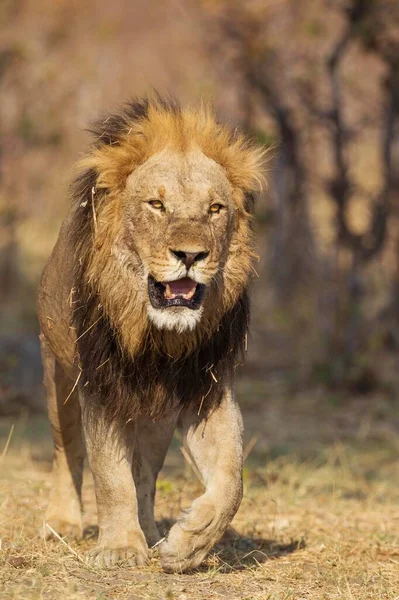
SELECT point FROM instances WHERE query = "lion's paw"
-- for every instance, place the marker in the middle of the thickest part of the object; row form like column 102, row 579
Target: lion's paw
column 104, row 557
column 172, row 561
column 185, row 550
column 191, row 538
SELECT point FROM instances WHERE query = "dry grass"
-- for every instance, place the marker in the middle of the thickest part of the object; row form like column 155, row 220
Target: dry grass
column 319, row 520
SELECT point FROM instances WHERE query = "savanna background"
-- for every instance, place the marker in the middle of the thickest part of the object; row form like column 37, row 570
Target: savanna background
column 317, row 81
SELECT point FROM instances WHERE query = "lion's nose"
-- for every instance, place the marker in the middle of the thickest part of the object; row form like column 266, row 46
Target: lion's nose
column 189, row 258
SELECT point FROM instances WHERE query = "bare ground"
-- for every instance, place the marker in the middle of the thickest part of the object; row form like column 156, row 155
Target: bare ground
column 319, row 519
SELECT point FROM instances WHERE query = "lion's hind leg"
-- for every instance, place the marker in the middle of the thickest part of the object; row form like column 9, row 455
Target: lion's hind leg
column 64, row 510
column 215, row 443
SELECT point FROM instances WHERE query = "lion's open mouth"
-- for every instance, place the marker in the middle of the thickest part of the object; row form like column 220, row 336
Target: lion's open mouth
column 182, row 292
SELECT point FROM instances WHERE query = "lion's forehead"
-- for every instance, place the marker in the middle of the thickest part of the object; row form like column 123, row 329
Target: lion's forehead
column 177, row 175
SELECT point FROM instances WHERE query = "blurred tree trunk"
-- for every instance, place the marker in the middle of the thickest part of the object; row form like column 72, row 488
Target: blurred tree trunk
column 8, row 212
column 347, row 335
column 9, row 267
column 293, row 257
column 8, row 255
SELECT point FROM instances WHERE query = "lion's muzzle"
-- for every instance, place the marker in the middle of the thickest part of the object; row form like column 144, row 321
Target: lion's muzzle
column 183, row 292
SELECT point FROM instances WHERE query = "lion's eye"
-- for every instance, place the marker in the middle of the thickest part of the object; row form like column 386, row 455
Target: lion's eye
column 157, row 204
column 215, row 208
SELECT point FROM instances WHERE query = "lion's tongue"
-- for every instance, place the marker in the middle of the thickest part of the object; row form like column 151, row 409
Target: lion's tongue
column 182, row 287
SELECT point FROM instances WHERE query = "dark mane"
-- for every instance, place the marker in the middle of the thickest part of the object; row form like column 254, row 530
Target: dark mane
column 153, row 383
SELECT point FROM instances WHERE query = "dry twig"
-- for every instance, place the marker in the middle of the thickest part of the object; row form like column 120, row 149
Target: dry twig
column 10, row 433
column 64, row 542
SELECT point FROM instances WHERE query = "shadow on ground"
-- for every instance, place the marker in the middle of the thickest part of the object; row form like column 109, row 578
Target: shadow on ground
column 237, row 552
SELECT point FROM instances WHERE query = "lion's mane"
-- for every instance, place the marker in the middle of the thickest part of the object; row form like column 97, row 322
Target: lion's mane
column 128, row 365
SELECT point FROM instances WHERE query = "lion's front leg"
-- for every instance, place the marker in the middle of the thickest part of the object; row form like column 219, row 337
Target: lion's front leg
column 152, row 439
column 121, row 539
column 215, row 443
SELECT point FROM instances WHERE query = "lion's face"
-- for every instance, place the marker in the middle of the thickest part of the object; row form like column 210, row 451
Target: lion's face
column 163, row 208
column 178, row 219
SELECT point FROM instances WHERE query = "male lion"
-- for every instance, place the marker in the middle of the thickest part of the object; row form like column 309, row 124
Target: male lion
column 143, row 310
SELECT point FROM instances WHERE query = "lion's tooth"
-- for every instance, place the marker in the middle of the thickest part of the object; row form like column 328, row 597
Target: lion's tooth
column 168, row 292
column 190, row 294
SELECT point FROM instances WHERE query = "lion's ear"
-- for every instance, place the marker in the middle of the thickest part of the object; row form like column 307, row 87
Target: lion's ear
column 82, row 188
column 246, row 170
column 248, row 165
column 111, row 164
column 87, row 199
column 249, row 202
column 244, row 161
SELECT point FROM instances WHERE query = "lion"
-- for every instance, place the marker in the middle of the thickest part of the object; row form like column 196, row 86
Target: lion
column 143, row 309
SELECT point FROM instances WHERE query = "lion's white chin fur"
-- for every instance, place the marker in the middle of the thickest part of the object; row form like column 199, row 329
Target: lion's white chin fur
column 175, row 319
